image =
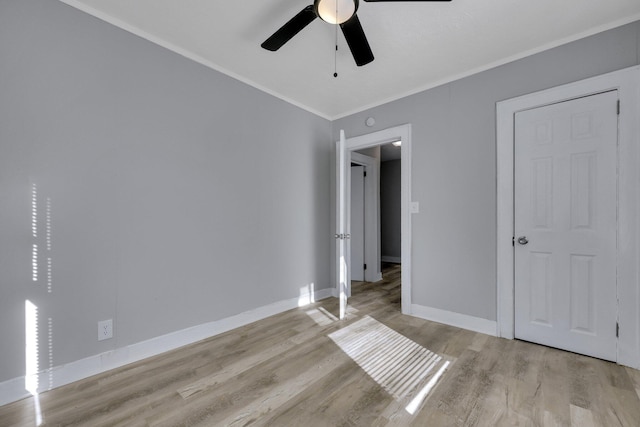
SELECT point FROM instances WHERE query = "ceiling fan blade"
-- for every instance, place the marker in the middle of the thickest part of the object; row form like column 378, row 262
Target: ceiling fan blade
column 357, row 41
column 290, row 29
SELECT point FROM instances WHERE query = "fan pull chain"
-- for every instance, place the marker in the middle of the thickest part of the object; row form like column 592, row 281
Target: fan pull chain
column 335, row 56
column 335, row 53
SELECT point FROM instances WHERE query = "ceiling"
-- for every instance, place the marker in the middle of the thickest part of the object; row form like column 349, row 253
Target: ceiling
column 417, row 45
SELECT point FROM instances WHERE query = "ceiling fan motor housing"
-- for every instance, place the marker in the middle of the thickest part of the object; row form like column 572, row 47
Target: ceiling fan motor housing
column 335, row 11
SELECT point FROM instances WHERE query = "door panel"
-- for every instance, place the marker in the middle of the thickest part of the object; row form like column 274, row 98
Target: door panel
column 540, row 292
column 582, row 293
column 566, row 207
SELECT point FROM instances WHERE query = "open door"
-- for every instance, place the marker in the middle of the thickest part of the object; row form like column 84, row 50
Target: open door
column 342, row 235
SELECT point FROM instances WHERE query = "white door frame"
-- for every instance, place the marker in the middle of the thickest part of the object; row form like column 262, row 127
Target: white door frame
column 403, row 133
column 627, row 83
column 371, row 215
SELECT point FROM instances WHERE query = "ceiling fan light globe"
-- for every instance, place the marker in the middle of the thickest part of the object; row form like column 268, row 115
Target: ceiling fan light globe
column 326, row 10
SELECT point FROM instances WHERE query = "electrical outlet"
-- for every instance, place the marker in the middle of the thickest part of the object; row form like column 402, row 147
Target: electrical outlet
column 105, row 329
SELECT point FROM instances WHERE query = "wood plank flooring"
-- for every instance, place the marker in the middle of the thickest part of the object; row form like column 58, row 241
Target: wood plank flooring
column 376, row 368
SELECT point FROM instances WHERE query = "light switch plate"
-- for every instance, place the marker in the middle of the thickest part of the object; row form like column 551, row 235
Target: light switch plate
column 415, row 207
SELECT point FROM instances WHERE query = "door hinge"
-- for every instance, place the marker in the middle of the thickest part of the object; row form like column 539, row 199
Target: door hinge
column 513, row 241
column 365, row 266
column 618, row 109
column 617, row 330
column 365, row 174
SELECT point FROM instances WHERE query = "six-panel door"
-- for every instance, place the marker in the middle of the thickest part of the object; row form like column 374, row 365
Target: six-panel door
column 566, row 225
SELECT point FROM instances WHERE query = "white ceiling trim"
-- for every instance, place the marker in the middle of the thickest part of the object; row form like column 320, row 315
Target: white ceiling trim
column 78, row 4
column 498, row 63
column 183, row 52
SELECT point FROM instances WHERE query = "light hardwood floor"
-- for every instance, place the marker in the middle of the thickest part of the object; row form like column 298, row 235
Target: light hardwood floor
column 376, row 368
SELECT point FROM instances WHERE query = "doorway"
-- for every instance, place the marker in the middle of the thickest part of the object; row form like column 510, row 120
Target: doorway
column 626, row 83
column 357, row 211
column 375, row 213
column 376, row 139
column 363, row 211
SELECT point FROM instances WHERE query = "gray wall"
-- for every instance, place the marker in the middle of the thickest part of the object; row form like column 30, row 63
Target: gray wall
column 454, row 163
column 181, row 196
column 178, row 195
column 390, row 208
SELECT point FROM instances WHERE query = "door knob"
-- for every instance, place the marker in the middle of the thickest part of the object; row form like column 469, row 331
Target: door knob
column 522, row 240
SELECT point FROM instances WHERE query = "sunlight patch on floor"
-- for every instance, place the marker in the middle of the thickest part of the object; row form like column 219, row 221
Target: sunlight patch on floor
column 321, row 316
column 419, row 398
column 396, row 363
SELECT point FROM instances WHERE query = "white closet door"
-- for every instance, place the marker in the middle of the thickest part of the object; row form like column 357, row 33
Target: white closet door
column 566, row 222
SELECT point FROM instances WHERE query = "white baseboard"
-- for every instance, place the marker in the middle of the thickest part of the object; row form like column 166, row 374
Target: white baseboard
column 14, row 389
column 392, row 259
column 476, row 324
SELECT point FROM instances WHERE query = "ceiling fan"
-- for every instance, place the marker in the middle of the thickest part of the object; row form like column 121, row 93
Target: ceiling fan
column 337, row 12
